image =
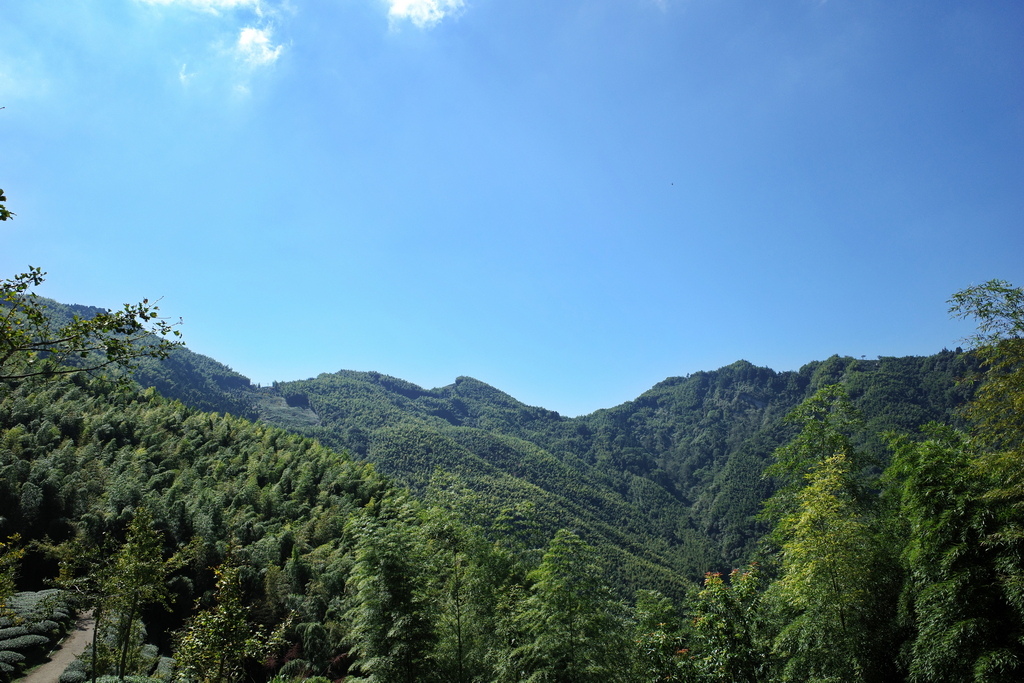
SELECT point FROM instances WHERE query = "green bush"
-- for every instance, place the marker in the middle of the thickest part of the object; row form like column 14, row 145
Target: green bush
column 164, row 669
column 14, row 632
column 22, row 643
column 76, row 672
column 45, row 627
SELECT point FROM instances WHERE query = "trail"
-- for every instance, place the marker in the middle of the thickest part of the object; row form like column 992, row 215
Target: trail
column 72, row 646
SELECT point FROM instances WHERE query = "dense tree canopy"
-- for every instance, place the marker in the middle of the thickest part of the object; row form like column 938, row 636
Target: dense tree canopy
column 887, row 553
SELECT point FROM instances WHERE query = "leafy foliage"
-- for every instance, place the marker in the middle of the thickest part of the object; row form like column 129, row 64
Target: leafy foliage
column 219, row 640
column 571, row 624
column 961, row 617
column 5, row 214
column 522, row 531
column 34, row 344
column 729, row 634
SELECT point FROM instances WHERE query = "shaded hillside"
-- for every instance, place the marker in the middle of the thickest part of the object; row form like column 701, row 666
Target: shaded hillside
column 200, row 382
column 197, row 380
column 491, row 441
column 672, row 478
column 707, row 437
column 80, row 457
column 662, row 487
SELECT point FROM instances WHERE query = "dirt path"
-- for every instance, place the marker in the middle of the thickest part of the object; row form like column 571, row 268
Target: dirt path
column 72, row 646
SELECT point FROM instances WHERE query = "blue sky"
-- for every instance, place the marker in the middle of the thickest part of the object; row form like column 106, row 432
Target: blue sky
column 570, row 200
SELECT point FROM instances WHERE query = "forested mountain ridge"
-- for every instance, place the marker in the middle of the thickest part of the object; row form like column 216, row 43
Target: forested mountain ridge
column 674, row 476
column 197, row 380
column 667, row 485
column 679, row 467
column 534, row 540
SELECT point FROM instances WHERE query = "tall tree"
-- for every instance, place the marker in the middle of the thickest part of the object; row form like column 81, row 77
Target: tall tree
column 575, row 630
column 997, row 418
column 135, row 579
column 659, row 655
column 833, row 590
column 465, row 577
column 391, row 631
column 219, row 639
column 996, row 425
column 997, row 410
column 964, row 626
column 728, row 640
column 827, row 422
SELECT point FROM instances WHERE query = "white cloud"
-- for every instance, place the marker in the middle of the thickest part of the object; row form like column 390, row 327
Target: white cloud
column 255, row 47
column 184, row 76
column 423, row 13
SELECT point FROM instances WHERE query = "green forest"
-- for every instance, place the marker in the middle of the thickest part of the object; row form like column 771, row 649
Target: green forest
column 856, row 520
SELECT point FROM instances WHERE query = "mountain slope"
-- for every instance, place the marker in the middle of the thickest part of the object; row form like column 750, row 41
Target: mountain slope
column 671, row 479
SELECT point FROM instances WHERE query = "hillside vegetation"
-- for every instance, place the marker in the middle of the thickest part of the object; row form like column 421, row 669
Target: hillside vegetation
column 674, row 477
column 853, row 520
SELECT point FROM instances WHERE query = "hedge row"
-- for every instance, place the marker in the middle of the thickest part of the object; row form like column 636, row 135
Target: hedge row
column 32, row 626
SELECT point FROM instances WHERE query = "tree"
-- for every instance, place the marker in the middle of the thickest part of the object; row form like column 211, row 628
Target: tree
column 964, row 626
column 825, row 589
column 827, row 422
column 455, row 587
column 135, row 578
column 33, row 343
column 11, row 553
column 219, row 640
column 391, row 632
column 996, row 415
column 728, row 639
column 658, row 654
column 834, row 588
column 997, row 410
column 469, row 577
column 85, row 587
column 996, row 420
column 575, row 632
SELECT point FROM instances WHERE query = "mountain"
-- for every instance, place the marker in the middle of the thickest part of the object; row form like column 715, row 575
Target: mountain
column 668, row 485
column 462, row 505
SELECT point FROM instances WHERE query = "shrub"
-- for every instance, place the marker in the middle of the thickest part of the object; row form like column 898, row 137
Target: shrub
column 164, row 669
column 45, row 627
column 13, row 632
column 76, row 672
column 22, row 643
